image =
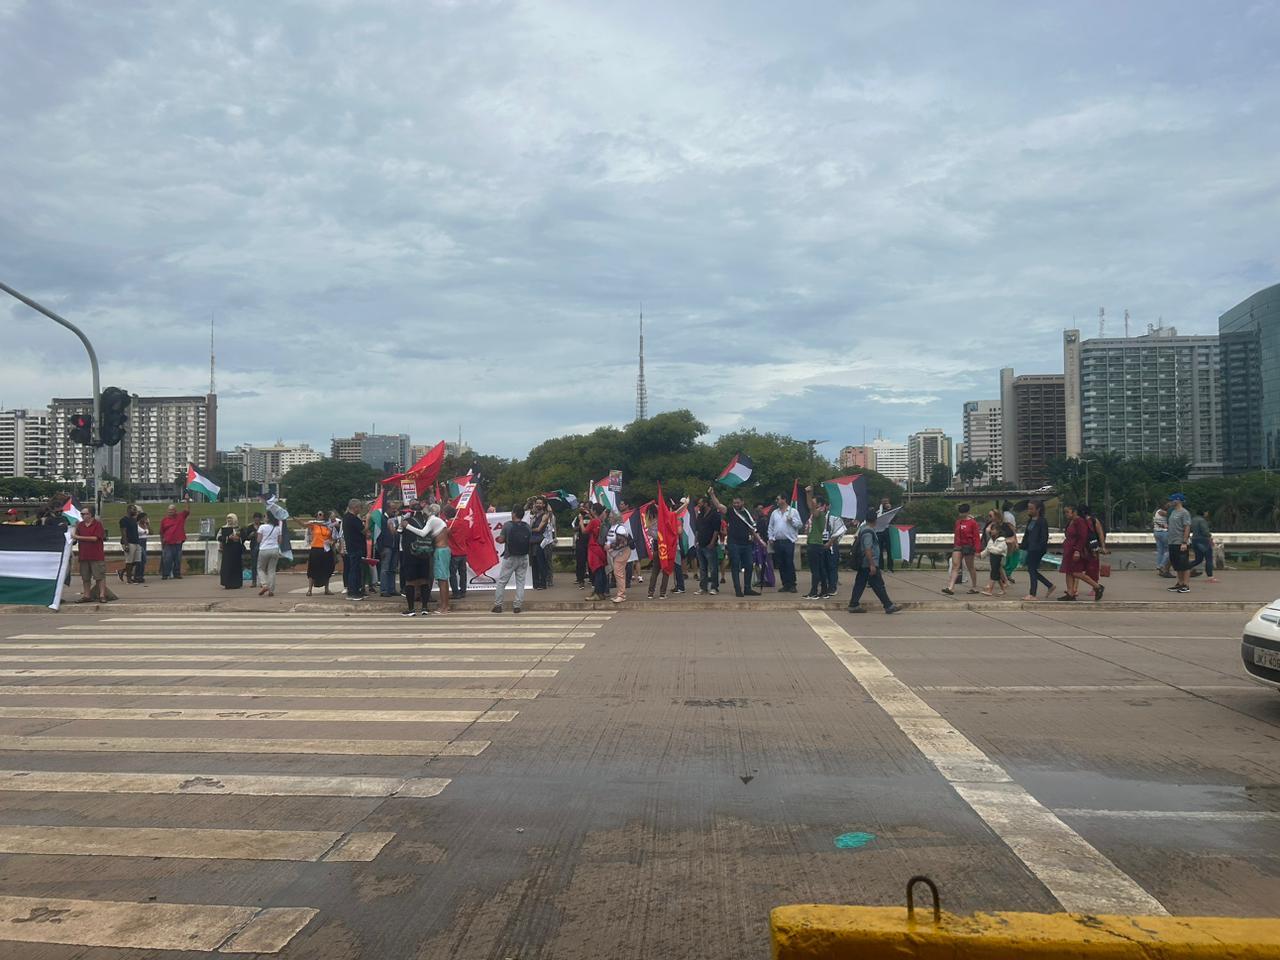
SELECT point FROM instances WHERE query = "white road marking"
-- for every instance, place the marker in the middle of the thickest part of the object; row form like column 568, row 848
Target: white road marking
column 1208, row 816
column 304, row 716
column 248, row 784
column 1089, row 688
column 302, row 638
column 291, row 658
column 191, row 843
column 239, row 745
column 150, row 926
column 110, row 643
column 285, row 693
column 341, row 622
column 314, row 674
column 1080, row 877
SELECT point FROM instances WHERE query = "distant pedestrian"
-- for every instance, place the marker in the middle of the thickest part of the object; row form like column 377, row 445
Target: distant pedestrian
column 597, row 557
column 815, row 547
column 249, row 535
column 1202, row 544
column 706, row 530
column 539, row 515
column 740, row 537
column 129, row 543
column 760, row 555
column 91, row 540
column 268, row 555
column 995, row 538
column 882, row 536
column 459, row 534
column 515, row 539
column 173, row 534
column 1078, row 555
column 966, row 539
column 1035, row 541
column 386, row 547
column 436, row 531
column 784, row 528
column 355, row 546
column 231, row 554
column 1180, row 542
column 866, row 553
column 1160, row 532
column 581, row 544
column 144, row 537
column 619, row 547
column 415, row 559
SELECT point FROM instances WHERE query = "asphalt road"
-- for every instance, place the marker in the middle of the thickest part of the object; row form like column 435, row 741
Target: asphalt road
column 574, row 786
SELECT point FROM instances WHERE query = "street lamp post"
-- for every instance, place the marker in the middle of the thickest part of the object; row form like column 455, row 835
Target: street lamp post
column 99, row 451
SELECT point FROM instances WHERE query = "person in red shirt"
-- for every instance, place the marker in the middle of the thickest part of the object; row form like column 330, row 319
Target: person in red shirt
column 92, row 537
column 597, row 558
column 173, row 534
column 964, row 547
column 459, row 533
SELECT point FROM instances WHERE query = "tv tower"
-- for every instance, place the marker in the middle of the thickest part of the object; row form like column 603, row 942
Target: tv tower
column 642, row 392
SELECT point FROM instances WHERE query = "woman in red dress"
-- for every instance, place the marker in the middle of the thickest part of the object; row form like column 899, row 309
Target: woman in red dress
column 1079, row 562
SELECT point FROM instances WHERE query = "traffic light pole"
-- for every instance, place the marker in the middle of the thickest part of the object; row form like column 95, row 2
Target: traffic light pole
column 99, row 451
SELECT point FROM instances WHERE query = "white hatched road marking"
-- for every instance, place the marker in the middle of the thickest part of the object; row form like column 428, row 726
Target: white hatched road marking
column 304, row 636
column 1092, row 688
column 304, row 716
column 235, row 784
column 244, row 745
column 291, row 658
column 341, row 622
column 229, row 672
column 1076, row 873
column 151, row 926
column 109, row 643
column 1207, row 816
column 283, row 693
column 192, row 843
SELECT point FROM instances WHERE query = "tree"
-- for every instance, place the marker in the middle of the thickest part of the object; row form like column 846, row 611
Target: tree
column 939, row 478
column 327, row 485
column 969, row 470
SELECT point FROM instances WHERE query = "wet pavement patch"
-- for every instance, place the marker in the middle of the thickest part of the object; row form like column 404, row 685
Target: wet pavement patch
column 851, row 841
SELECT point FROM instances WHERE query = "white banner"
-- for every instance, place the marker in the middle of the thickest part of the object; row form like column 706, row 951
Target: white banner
column 488, row 579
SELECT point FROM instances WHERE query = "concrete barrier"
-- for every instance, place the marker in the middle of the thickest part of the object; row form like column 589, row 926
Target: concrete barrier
column 816, row 932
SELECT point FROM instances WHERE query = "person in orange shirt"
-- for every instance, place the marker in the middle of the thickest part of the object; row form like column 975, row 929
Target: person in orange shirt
column 320, row 557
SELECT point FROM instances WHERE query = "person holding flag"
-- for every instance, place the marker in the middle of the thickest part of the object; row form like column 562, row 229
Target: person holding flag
column 740, row 537
column 866, row 549
column 173, row 534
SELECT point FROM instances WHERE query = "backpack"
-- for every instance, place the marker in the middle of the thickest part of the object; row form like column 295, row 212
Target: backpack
column 518, row 536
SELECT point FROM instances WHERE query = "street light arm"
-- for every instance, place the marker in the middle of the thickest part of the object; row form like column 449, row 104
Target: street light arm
column 93, row 356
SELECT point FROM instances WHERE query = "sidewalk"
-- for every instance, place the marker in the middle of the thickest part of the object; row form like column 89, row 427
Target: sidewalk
column 915, row 590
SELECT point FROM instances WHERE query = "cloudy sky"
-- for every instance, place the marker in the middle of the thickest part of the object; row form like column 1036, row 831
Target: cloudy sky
column 839, row 216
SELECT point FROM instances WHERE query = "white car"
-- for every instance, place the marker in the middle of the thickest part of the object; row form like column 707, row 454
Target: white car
column 1047, row 488
column 1260, row 646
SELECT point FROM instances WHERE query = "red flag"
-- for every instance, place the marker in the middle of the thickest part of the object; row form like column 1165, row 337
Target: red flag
column 668, row 534
column 425, row 471
column 482, row 552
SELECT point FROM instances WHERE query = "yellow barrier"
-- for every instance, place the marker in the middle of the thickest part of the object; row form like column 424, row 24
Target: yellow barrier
column 872, row 933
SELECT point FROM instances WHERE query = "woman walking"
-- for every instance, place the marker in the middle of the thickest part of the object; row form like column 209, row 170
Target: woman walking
column 268, row 555
column 995, row 537
column 231, row 560
column 1035, row 541
column 319, row 554
column 1077, row 556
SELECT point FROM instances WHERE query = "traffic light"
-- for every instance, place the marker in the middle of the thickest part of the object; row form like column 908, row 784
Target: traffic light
column 115, row 414
column 82, row 428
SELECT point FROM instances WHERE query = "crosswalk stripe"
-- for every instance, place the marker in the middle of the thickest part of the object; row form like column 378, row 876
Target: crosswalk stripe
column 151, row 926
column 236, row 672
column 291, row 646
column 302, row 716
column 306, row 693
column 292, row 658
column 340, row 620
column 381, row 631
column 377, row 748
column 192, row 843
column 249, row 785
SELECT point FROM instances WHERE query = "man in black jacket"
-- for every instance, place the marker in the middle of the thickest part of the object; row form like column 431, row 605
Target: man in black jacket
column 356, row 548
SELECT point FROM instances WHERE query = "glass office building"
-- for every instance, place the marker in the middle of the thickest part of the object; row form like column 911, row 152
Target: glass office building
column 1249, row 334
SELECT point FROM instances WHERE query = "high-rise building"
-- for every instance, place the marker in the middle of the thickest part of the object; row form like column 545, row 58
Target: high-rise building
column 851, row 457
column 1034, row 425
column 1158, row 394
column 267, row 463
column 925, row 450
column 888, row 459
column 984, row 438
column 388, row 452
column 24, row 443
column 1249, row 334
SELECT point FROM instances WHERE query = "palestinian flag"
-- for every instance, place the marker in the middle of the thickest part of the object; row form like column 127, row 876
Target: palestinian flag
column 902, row 542
column 375, row 521
column 454, row 487
column 600, row 493
column 33, row 564
column 737, row 472
column 687, row 536
column 199, row 483
column 634, row 518
column 847, row 496
column 71, row 510
column 798, row 503
column 561, row 495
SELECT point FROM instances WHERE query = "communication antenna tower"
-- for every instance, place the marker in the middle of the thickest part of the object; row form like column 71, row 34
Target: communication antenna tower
column 1102, row 323
column 1126, row 323
column 642, row 391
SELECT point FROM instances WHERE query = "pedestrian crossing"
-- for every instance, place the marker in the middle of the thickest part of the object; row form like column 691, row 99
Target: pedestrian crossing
column 156, row 692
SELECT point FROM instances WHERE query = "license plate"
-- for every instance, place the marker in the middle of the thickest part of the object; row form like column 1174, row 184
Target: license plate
column 1266, row 658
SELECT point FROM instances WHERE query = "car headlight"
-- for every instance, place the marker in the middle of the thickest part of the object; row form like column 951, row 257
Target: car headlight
column 1270, row 617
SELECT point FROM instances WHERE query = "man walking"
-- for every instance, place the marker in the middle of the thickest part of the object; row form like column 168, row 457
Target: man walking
column 784, row 527
column 866, row 550
column 706, row 530
column 1180, row 542
column 740, row 536
column 356, row 546
column 173, row 534
column 515, row 539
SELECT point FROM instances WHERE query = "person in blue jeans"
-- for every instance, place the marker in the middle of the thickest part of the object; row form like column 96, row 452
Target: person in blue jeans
column 387, row 547
column 706, row 529
column 353, row 539
column 1202, row 545
column 741, row 537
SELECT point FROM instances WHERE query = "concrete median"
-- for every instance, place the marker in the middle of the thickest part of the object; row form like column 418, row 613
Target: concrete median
column 818, row 932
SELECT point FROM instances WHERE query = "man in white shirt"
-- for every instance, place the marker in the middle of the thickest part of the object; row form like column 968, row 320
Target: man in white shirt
column 784, row 527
